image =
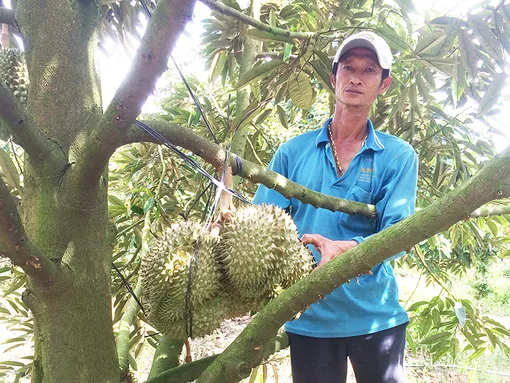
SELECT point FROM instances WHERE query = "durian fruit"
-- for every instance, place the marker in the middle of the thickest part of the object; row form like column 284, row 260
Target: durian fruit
column 260, row 250
column 13, row 73
column 205, row 319
column 165, row 273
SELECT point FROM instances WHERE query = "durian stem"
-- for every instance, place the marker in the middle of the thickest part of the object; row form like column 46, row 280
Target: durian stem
column 225, row 205
column 191, row 371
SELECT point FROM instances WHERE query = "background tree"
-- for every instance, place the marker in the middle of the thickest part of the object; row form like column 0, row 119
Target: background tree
column 62, row 230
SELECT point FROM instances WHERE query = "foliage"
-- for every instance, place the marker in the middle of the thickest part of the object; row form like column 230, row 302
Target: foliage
column 448, row 77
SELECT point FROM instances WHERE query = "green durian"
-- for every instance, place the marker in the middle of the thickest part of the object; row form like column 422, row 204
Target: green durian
column 13, row 73
column 165, row 272
column 259, row 250
column 206, row 318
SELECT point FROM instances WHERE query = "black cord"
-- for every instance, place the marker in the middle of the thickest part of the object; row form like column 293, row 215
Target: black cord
column 128, row 287
column 164, row 141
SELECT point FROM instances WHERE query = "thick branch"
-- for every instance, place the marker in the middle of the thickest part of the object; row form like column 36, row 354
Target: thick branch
column 191, row 371
column 492, row 182
column 22, row 127
column 164, row 28
column 215, row 155
column 7, row 16
column 15, row 245
column 226, row 10
column 166, row 357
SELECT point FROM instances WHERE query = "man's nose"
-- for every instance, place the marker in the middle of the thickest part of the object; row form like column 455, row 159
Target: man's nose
column 355, row 81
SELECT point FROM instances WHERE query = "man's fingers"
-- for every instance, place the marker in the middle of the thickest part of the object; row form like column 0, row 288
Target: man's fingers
column 312, row 239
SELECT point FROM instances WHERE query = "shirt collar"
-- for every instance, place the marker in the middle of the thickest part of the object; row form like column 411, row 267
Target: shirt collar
column 372, row 142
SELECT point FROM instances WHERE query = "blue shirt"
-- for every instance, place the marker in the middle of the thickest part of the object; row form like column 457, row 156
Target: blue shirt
column 383, row 173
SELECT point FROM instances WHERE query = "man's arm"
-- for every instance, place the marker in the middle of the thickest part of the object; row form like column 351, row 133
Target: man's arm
column 396, row 201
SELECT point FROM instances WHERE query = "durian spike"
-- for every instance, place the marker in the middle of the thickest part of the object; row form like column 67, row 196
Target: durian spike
column 225, row 206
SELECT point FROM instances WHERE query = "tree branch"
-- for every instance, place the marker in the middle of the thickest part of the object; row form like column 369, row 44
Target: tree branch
column 22, row 128
column 7, row 17
column 226, row 10
column 15, row 245
column 123, row 335
column 191, row 371
column 164, row 28
column 215, row 155
column 492, row 182
column 486, row 211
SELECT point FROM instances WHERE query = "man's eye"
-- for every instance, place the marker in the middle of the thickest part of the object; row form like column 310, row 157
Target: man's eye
column 370, row 70
column 347, row 67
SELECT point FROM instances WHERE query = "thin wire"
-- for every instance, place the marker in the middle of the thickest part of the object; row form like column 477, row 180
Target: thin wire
column 128, row 287
column 164, row 141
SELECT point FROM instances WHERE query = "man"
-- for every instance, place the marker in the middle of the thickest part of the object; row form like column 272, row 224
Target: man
column 347, row 158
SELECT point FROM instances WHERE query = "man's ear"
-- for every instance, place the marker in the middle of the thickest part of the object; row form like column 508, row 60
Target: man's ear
column 385, row 84
column 332, row 78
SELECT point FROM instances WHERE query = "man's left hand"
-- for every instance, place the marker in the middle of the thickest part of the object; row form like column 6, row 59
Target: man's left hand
column 328, row 248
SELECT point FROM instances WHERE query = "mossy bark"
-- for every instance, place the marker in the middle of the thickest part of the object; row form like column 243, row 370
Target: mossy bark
column 74, row 339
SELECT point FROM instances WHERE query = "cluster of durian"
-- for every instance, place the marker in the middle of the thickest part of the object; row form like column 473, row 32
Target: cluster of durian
column 13, row 73
column 256, row 255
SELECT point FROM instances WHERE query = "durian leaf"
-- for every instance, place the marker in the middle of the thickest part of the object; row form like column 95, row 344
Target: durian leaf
column 488, row 38
column 258, row 72
column 322, row 75
column 492, row 94
column 9, row 170
column 282, row 116
column 300, row 91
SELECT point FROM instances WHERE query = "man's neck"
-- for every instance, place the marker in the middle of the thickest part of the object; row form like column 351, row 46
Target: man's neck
column 349, row 123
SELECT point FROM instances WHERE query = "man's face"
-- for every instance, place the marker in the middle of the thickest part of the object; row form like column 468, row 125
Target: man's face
column 358, row 78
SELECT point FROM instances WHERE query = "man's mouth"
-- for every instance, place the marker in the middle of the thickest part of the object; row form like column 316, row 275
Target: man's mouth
column 351, row 90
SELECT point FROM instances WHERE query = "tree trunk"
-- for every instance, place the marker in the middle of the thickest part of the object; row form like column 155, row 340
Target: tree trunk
column 74, row 339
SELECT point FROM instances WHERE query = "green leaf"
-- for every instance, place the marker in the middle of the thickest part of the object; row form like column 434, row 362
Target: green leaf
column 218, row 64
column 488, row 39
column 428, row 42
column 254, row 374
column 9, row 170
column 258, row 72
column 323, row 75
column 149, row 204
column 282, row 116
column 491, row 96
column 468, row 53
column 286, row 51
column 300, row 91
column 436, row 337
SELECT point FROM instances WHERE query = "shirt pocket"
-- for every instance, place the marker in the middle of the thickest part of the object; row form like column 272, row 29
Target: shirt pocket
column 357, row 223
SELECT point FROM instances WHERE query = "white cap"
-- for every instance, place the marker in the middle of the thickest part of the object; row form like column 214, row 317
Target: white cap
column 368, row 40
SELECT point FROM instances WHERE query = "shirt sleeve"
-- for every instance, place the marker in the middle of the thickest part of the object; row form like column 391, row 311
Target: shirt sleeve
column 278, row 164
column 396, row 199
